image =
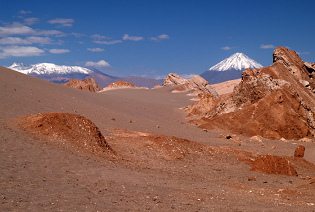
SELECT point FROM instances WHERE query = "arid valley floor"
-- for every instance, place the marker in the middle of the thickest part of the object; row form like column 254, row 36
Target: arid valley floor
column 157, row 162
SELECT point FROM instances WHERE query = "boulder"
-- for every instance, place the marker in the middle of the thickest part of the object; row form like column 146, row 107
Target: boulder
column 299, row 151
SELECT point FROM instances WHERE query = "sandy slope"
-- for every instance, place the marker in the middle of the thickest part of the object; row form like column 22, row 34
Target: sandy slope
column 226, row 87
column 36, row 175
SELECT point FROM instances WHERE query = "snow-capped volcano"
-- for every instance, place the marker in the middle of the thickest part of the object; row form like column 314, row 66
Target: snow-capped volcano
column 237, row 61
column 230, row 68
column 48, row 68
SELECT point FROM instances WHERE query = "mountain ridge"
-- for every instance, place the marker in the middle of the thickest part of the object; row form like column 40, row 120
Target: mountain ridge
column 62, row 74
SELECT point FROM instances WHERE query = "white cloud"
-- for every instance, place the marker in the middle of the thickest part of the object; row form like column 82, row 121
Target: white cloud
column 39, row 40
column 20, row 51
column 20, row 29
column 98, row 64
column 78, row 35
column 59, row 51
column 267, row 46
column 132, row 38
column 66, row 22
column 30, row 21
column 16, row 29
column 100, row 39
column 24, row 41
column 109, row 42
column 25, row 12
column 160, row 37
column 50, row 33
column 226, row 48
column 95, row 49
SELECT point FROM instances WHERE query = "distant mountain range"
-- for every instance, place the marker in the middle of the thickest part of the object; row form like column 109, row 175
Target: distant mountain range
column 230, row 68
column 61, row 74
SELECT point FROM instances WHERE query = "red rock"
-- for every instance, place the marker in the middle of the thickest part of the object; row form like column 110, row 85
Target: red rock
column 86, row 84
column 121, row 84
column 299, row 151
column 271, row 164
column 270, row 102
column 66, row 129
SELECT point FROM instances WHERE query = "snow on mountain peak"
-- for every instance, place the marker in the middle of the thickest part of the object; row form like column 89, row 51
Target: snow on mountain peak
column 48, row 68
column 237, row 61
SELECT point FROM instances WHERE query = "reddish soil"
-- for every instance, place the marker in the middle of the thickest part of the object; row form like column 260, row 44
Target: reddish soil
column 66, row 129
column 161, row 162
column 271, row 164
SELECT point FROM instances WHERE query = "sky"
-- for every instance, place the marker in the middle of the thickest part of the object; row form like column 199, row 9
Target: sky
column 152, row 37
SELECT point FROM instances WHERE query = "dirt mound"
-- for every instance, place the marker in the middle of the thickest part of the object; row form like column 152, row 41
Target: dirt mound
column 273, row 102
column 271, row 164
column 121, row 84
column 151, row 148
column 174, row 147
column 66, row 129
column 86, row 84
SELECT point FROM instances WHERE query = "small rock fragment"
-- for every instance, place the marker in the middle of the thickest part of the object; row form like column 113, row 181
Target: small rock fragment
column 251, row 179
column 299, row 151
column 228, row 137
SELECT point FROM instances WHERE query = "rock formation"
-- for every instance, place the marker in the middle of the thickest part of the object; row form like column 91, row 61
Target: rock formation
column 273, row 102
column 85, row 84
column 196, row 85
column 121, row 84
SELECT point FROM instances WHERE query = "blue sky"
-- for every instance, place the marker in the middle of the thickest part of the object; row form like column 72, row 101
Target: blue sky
column 151, row 37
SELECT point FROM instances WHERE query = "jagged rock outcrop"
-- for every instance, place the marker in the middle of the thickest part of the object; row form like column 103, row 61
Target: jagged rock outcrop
column 270, row 102
column 121, row 84
column 86, row 84
column 196, row 85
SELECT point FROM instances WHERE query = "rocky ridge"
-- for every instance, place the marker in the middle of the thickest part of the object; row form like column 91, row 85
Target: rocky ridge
column 273, row 102
column 196, row 85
